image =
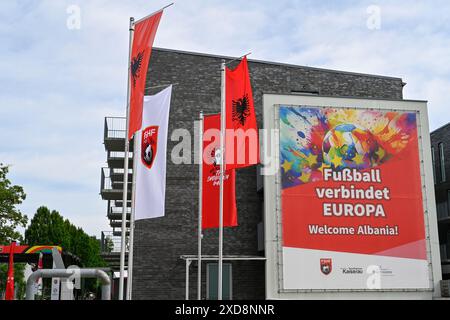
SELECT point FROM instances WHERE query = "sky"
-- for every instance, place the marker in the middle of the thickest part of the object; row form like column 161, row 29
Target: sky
column 63, row 68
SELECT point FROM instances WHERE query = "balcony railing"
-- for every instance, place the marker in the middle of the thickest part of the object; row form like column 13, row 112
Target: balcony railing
column 110, row 243
column 114, row 134
column 118, row 210
column 115, row 128
column 116, row 159
column 107, row 183
column 120, row 171
column 115, row 213
column 117, row 224
column 119, row 154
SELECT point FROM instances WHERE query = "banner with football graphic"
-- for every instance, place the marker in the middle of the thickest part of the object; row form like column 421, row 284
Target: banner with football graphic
column 151, row 156
column 351, row 199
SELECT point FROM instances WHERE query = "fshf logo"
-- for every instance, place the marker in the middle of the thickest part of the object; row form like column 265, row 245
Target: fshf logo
column 149, row 145
column 326, row 266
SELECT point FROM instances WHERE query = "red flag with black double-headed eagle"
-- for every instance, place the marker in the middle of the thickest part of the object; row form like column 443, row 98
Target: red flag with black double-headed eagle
column 144, row 35
column 241, row 135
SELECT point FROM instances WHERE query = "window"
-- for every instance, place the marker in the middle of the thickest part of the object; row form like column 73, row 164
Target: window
column 433, row 160
column 442, row 161
column 212, row 281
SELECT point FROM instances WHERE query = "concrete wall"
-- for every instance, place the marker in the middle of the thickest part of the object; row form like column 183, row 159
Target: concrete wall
column 159, row 273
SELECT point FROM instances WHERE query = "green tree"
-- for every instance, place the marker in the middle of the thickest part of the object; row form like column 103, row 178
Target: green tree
column 10, row 217
column 109, row 244
column 38, row 232
column 50, row 228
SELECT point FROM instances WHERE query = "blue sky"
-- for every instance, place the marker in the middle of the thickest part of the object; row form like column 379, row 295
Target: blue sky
column 59, row 83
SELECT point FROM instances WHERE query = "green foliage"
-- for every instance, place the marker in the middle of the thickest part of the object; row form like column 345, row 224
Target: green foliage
column 10, row 217
column 109, row 244
column 50, row 228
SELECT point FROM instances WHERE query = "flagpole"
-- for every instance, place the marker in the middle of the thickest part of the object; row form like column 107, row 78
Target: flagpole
column 125, row 173
column 153, row 13
column 132, row 218
column 222, row 161
column 200, row 188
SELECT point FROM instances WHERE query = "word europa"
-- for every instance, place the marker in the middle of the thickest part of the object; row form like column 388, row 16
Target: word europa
column 353, row 210
column 353, row 193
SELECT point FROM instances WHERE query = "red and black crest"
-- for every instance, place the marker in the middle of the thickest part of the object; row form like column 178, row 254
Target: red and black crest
column 215, row 160
column 149, row 145
column 135, row 66
column 326, row 266
column 241, row 109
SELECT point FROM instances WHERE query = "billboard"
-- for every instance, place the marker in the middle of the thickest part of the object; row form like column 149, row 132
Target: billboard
column 352, row 212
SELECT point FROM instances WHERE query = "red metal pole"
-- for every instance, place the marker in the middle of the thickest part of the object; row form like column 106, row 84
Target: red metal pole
column 9, row 294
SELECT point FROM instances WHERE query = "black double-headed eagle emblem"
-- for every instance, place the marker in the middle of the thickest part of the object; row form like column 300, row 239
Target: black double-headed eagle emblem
column 135, row 66
column 241, row 109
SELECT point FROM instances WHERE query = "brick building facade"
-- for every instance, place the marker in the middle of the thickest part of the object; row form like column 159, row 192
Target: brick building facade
column 159, row 271
column 440, row 149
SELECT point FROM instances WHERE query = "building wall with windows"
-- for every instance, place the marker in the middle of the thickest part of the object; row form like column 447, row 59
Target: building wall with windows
column 440, row 148
column 159, row 271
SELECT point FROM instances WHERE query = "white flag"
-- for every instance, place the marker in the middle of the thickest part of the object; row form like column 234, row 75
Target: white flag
column 151, row 156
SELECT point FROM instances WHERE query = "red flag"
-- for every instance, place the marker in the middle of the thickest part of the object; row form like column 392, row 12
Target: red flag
column 241, row 142
column 144, row 34
column 211, row 176
column 40, row 261
column 9, row 294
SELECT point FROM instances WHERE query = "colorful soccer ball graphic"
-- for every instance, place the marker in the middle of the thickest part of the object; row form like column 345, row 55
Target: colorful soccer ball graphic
column 350, row 146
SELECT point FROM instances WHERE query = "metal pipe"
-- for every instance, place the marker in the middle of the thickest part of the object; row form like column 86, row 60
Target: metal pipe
column 66, row 273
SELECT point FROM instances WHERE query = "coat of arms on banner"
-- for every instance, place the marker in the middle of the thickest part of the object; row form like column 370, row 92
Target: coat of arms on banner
column 149, row 145
column 326, row 266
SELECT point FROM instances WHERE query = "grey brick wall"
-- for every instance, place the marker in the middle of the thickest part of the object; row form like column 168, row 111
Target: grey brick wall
column 442, row 135
column 159, row 273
